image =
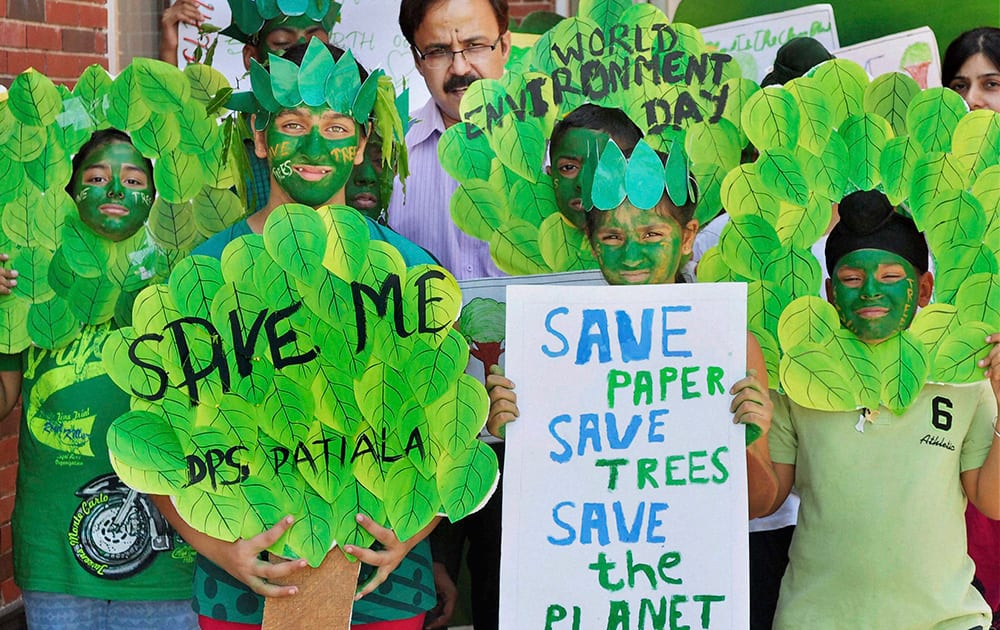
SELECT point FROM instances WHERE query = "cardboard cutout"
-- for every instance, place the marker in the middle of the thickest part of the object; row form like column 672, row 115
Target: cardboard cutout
column 250, row 16
column 820, row 138
column 614, row 54
column 307, row 373
column 69, row 275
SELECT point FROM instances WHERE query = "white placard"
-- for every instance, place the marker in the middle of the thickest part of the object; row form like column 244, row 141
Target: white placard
column 912, row 52
column 755, row 41
column 369, row 28
column 625, row 452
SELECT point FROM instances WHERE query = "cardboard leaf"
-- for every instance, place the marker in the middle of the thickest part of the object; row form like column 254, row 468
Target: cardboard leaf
column 160, row 134
column 33, row 99
column 771, row 118
column 419, row 499
column 515, row 249
column 865, row 375
column 951, row 217
column 171, row 225
column 214, row 209
column 801, row 226
column 781, row 173
column 896, row 164
column 844, row 82
column 164, row 87
column 934, row 174
column 932, row 116
column 478, row 209
column 815, row 379
column 815, row 113
column 978, row 299
column 465, row 153
column 888, row 96
column 747, row 243
column 807, row 320
column 903, row 363
column 295, row 236
column 52, row 324
column 933, row 323
column 467, row 479
column 178, row 177
column 864, row 136
column 347, row 242
column 976, row 141
column 127, row 110
column 957, row 358
column 745, row 193
column 193, row 283
column 519, row 145
column 563, row 246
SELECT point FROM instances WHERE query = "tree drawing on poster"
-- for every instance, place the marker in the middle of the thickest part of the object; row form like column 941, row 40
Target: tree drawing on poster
column 307, row 373
column 821, row 137
column 71, row 276
column 629, row 483
column 482, row 325
column 614, row 54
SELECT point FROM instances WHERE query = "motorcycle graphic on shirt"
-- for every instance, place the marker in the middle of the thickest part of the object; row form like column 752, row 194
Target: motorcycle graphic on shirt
column 116, row 531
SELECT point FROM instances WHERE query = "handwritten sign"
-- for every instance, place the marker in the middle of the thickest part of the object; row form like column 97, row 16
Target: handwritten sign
column 755, row 41
column 369, row 28
column 625, row 483
column 914, row 52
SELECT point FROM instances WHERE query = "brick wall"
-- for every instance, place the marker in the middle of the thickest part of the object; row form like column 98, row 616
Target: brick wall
column 57, row 37
column 8, row 473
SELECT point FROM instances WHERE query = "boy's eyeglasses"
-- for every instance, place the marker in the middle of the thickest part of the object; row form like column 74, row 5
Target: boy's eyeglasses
column 441, row 58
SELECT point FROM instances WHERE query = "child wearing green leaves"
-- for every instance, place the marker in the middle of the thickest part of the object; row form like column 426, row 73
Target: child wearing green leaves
column 312, row 140
column 639, row 236
column 88, row 551
column 881, row 535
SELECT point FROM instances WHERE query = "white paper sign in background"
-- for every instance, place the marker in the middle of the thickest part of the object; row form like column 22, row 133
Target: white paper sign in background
column 755, row 41
column 912, row 52
column 624, row 498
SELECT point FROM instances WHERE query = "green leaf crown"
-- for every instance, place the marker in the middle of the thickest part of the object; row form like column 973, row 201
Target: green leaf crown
column 70, row 276
column 641, row 178
column 249, row 16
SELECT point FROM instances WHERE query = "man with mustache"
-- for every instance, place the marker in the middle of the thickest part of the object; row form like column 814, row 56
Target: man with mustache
column 454, row 43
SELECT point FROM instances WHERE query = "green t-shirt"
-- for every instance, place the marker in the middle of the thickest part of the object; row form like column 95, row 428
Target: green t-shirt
column 77, row 528
column 880, row 541
column 407, row 592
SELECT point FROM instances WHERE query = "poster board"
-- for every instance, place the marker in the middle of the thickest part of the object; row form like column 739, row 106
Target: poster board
column 755, row 41
column 572, row 484
column 369, row 28
column 914, row 52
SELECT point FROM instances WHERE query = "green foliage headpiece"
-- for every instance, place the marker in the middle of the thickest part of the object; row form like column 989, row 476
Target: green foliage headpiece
column 319, row 80
column 69, row 275
column 641, row 178
column 249, row 16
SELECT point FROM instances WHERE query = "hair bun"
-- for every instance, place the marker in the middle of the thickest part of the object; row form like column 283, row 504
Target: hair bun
column 865, row 211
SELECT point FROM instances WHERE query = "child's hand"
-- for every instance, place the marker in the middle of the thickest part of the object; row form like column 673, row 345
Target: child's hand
column 991, row 365
column 503, row 402
column 8, row 277
column 241, row 559
column 751, row 404
column 386, row 559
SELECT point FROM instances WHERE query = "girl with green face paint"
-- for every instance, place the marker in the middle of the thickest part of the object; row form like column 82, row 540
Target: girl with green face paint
column 112, row 186
column 875, row 292
column 635, row 246
column 312, row 151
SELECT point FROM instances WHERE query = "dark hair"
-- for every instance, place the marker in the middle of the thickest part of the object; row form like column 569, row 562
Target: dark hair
column 99, row 139
column 412, row 12
column 985, row 39
column 611, row 121
column 297, row 53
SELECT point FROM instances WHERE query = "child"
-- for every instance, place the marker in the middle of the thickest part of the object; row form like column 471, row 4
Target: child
column 88, row 551
column 634, row 246
column 311, row 151
column 881, row 536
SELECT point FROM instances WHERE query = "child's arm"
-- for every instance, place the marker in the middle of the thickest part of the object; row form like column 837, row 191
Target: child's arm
column 240, row 558
column 10, row 389
column 982, row 485
column 388, row 558
column 752, row 405
column 503, row 402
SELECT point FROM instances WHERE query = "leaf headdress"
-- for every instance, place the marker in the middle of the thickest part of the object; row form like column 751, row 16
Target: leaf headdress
column 249, row 16
column 69, row 276
column 641, row 178
column 322, row 81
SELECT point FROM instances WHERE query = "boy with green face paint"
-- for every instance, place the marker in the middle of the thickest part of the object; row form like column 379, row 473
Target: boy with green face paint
column 891, row 489
column 370, row 186
column 311, row 150
column 573, row 150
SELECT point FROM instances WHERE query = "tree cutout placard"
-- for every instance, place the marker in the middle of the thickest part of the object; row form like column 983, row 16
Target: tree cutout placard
column 310, row 372
column 614, row 54
column 69, row 275
column 821, row 137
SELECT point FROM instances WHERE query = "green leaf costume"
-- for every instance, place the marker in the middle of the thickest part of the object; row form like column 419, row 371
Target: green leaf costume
column 69, row 275
column 341, row 392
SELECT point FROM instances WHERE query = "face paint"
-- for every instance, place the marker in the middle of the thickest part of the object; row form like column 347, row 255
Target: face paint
column 875, row 293
column 364, row 188
column 574, row 160
column 311, row 151
column 281, row 33
column 113, row 190
column 635, row 246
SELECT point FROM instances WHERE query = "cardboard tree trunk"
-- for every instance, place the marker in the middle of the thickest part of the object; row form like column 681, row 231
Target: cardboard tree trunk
column 324, row 600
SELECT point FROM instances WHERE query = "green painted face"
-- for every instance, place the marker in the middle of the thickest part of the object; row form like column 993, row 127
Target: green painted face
column 364, row 188
column 311, row 151
column 635, row 246
column 875, row 293
column 573, row 162
column 113, row 190
column 281, row 33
